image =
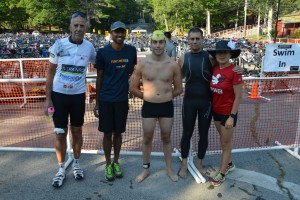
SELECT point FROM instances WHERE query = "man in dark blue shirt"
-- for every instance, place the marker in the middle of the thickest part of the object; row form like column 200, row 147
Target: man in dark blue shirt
column 115, row 63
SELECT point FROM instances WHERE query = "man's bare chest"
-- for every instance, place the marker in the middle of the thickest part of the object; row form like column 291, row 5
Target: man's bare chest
column 155, row 73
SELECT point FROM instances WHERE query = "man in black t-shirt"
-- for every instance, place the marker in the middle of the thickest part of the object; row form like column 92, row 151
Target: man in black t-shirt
column 115, row 63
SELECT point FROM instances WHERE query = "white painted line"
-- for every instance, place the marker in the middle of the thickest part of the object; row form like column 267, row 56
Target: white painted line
column 193, row 168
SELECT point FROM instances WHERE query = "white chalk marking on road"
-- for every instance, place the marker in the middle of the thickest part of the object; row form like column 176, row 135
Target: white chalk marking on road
column 264, row 181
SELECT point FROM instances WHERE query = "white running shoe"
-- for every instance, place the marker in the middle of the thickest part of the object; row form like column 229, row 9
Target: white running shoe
column 78, row 172
column 58, row 179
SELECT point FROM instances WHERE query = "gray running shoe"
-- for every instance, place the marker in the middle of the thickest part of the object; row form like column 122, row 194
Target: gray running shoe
column 58, row 179
column 78, row 172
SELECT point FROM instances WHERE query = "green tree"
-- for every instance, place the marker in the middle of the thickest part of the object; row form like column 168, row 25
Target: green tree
column 49, row 12
column 12, row 15
column 182, row 13
column 117, row 10
column 17, row 14
column 223, row 13
column 288, row 6
column 297, row 33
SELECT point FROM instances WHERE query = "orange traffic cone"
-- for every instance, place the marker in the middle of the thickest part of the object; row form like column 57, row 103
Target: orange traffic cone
column 254, row 91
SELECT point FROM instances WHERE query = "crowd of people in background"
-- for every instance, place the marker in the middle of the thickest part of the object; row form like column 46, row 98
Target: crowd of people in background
column 27, row 45
column 30, row 45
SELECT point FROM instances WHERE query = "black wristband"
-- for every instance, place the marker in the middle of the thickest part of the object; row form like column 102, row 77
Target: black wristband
column 146, row 166
column 232, row 115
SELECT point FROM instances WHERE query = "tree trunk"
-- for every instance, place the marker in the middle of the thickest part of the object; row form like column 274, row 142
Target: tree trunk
column 207, row 22
column 166, row 23
column 237, row 17
column 270, row 16
column 258, row 23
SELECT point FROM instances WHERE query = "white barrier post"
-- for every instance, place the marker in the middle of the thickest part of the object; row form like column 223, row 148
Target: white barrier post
column 294, row 153
column 23, row 84
column 191, row 166
column 193, row 169
column 69, row 149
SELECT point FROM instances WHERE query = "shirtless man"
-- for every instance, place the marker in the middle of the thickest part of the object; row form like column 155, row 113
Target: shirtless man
column 161, row 78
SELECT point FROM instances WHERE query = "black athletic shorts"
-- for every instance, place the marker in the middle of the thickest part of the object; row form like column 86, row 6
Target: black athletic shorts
column 113, row 116
column 223, row 118
column 155, row 110
column 65, row 105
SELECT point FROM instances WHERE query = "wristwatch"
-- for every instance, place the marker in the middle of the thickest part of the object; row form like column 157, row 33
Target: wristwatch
column 232, row 115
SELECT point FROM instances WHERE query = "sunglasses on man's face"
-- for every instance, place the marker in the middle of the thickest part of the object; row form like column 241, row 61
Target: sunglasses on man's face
column 81, row 14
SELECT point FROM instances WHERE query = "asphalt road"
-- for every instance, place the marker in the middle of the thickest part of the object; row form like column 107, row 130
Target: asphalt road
column 259, row 175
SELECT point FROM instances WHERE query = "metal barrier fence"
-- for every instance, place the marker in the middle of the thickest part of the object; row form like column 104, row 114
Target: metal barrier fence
column 263, row 121
column 271, row 120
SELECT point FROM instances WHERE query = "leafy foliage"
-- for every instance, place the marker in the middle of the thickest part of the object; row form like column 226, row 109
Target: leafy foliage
column 34, row 14
column 297, row 33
